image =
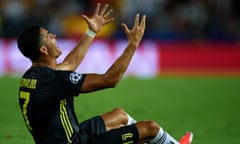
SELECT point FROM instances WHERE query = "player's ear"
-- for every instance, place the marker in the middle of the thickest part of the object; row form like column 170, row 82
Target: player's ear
column 43, row 50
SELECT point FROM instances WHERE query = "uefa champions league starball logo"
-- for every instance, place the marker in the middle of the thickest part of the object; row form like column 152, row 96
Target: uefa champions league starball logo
column 75, row 77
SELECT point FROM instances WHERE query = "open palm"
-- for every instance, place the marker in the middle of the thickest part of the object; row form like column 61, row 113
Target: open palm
column 99, row 18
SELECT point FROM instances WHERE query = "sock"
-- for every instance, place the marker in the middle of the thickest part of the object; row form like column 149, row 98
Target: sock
column 130, row 120
column 163, row 138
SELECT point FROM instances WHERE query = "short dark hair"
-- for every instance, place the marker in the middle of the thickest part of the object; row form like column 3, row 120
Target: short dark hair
column 29, row 42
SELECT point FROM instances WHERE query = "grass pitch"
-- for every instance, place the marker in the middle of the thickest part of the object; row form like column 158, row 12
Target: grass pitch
column 208, row 106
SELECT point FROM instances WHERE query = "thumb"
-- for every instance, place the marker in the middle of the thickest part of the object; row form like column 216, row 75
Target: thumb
column 85, row 18
column 125, row 28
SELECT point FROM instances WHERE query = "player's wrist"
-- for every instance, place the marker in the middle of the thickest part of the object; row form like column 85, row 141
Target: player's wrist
column 133, row 44
column 90, row 33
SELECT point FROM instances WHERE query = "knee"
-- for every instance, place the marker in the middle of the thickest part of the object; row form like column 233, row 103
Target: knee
column 120, row 111
column 152, row 127
column 121, row 114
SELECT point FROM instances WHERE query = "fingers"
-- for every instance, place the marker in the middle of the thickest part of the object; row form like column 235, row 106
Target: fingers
column 97, row 9
column 136, row 20
column 104, row 10
column 100, row 17
column 108, row 13
column 125, row 28
column 137, row 25
column 109, row 20
column 142, row 24
column 105, row 13
column 136, row 33
column 85, row 17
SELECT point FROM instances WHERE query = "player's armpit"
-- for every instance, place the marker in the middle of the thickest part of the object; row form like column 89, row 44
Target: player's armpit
column 94, row 82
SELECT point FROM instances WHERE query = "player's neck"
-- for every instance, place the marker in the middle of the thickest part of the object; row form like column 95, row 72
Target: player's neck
column 45, row 62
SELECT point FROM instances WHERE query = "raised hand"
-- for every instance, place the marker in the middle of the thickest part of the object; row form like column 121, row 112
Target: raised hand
column 136, row 33
column 99, row 18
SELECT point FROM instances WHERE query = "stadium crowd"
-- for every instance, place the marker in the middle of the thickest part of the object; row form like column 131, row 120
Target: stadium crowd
column 167, row 19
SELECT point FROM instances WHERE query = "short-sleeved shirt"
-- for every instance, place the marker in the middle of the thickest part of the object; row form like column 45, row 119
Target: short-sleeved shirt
column 46, row 101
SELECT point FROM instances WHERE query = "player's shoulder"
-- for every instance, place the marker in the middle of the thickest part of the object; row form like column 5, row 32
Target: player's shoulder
column 39, row 72
column 71, row 76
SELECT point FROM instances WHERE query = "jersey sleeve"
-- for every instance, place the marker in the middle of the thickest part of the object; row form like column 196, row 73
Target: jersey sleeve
column 69, row 83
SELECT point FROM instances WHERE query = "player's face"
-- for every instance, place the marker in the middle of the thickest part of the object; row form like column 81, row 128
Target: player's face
column 50, row 42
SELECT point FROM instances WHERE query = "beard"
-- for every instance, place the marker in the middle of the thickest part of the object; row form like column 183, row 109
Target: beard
column 59, row 52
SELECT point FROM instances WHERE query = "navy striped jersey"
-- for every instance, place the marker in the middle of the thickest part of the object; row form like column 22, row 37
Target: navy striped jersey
column 46, row 100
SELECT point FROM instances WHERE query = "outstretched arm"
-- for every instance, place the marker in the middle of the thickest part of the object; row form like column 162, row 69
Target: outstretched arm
column 115, row 72
column 95, row 24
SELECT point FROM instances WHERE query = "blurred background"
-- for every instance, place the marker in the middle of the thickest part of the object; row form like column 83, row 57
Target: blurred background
column 167, row 19
column 185, row 74
column 187, row 36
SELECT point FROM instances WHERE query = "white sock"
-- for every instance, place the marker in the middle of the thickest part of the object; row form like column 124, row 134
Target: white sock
column 130, row 120
column 163, row 138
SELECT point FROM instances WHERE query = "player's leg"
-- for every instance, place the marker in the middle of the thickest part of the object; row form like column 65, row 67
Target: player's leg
column 117, row 118
column 108, row 121
column 139, row 133
column 150, row 132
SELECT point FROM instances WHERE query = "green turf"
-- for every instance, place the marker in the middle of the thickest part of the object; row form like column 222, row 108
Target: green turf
column 208, row 106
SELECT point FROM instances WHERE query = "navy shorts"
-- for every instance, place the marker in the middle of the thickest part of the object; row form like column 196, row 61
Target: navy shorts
column 93, row 131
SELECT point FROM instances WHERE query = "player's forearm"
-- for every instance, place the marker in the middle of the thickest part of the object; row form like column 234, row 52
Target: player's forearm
column 75, row 57
column 117, row 70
